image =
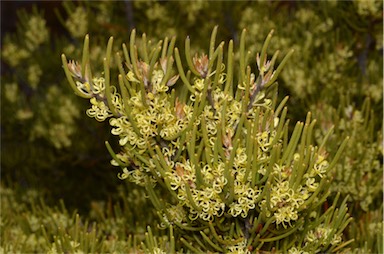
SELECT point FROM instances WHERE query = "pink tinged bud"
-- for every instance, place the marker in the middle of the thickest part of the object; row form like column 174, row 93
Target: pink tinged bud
column 163, row 63
column 179, row 170
column 258, row 60
column 227, row 140
column 179, row 107
column 144, row 71
column 201, row 64
column 75, row 69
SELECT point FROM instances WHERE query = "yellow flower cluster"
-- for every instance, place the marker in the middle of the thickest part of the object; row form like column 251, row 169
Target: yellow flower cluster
column 285, row 202
column 207, row 200
column 99, row 110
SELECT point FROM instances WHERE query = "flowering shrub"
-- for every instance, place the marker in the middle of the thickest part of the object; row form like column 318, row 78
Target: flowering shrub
column 335, row 73
column 217, row 142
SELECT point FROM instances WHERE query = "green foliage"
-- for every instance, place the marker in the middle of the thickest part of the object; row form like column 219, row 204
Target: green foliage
column 49, row 147
column 338, row 49
column 30, row 226
column 359, row 173
column 43, row 139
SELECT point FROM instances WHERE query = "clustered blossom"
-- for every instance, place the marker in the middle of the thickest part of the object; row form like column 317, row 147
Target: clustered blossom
column 208, row 199
column 166, row 120
column 157, row 120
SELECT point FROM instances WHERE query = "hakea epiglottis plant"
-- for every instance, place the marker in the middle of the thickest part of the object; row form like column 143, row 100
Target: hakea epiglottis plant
column 210, row 133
